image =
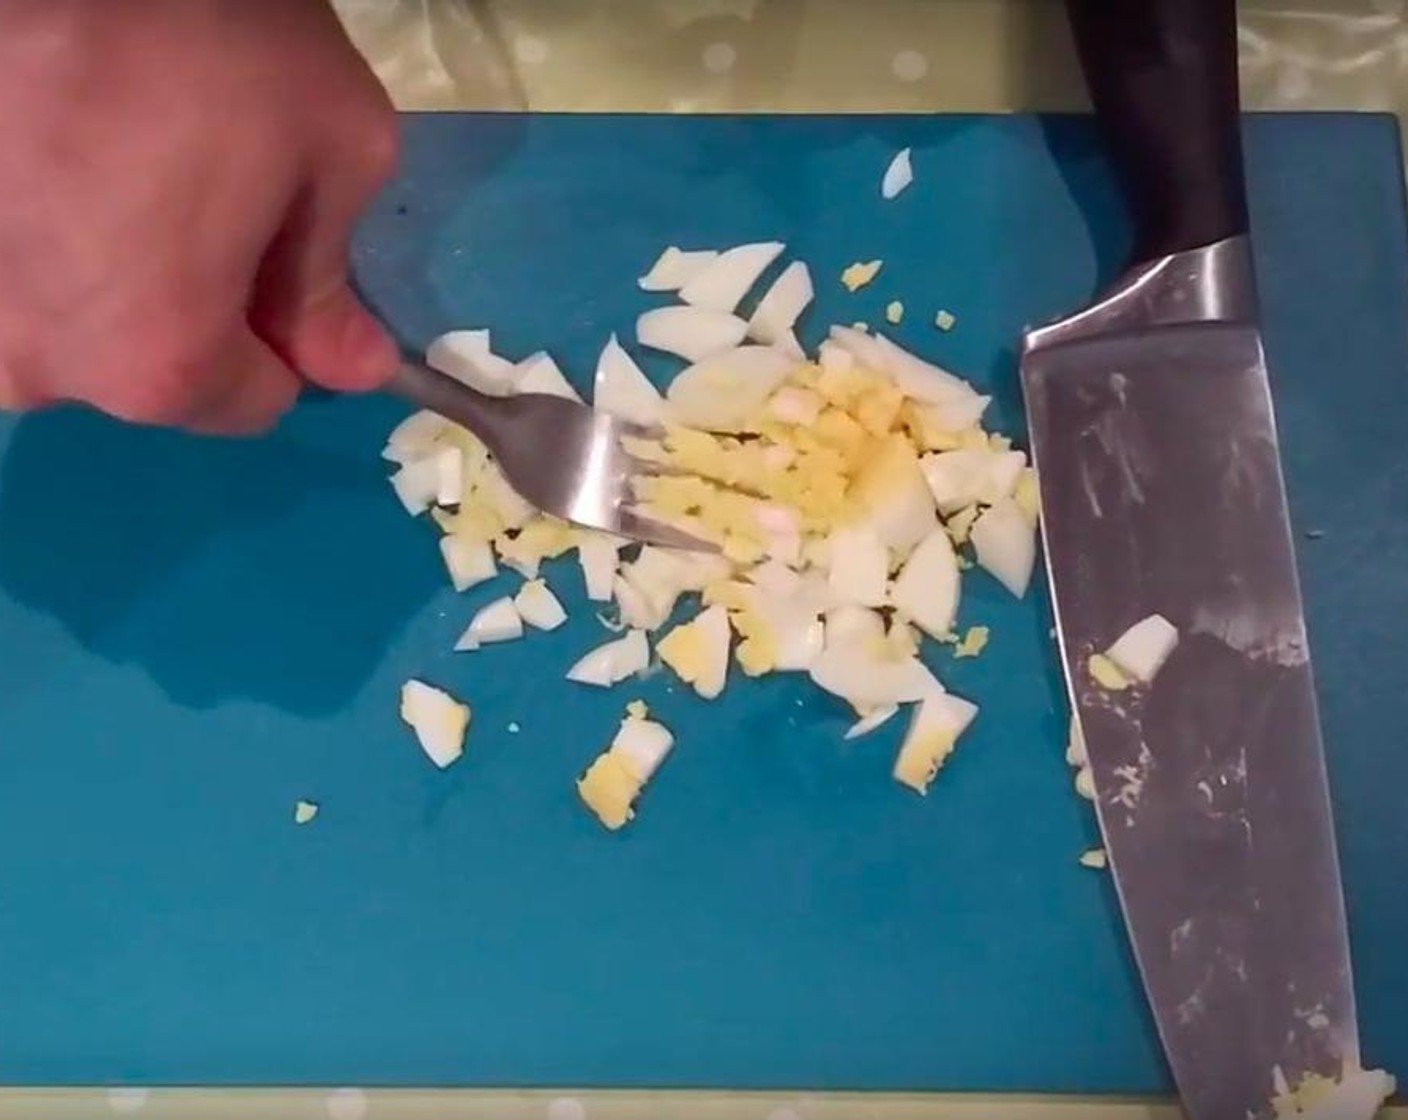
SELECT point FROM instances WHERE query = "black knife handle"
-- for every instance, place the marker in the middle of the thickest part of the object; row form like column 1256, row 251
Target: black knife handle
column 1163, row 78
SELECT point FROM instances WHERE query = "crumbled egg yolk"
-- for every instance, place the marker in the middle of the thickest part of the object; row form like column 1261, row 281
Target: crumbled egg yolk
column 945, row 320
column 1027, row 496
column 609, row 789
column 894, row 311
column 921, row 757
column 1095, row 859
column 304, row 812
column 972, row 643
column 860, row 274
column 1106, row 673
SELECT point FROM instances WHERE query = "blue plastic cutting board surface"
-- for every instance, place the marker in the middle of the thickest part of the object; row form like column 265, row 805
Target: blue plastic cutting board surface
column 194, row 635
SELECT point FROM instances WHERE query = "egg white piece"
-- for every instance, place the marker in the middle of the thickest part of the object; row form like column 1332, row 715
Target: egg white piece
column 897, row 176
column 642, row 745
column 958, row 414
column 971, row 476
column 449, row 470
column 928, row 587
column 499, row 621
column 722, row 284
column 794, row 405
column 937, row 722
column 866, row 724
column 924, row 381
column 613, row 661
column 538, row 606
column 1142, row 649
column 1004, row 542
column 1358, row 1096
column 782, row 305
column 854, row 628
column 698, row 651
column 863, row 348
column 834, row 358
column 722, row 393
column 417, row 484
column 538, row 373
column 866, row 681
column 470, row 562
column 859, row 566
column 691, row 333
column 623, row 390
column 414, row 437
column 598, row 555
column 675, row 268
column 465, row 356
column 438, row 720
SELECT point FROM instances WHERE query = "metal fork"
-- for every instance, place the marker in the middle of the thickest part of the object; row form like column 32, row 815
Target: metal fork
column 562, row 457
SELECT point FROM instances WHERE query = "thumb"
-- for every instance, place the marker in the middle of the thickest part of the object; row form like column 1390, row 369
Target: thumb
column 302, row 303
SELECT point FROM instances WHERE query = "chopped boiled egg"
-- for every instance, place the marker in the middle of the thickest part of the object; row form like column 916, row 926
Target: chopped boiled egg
column 465, row 356
column 538, row 606
column 542, row 538
column 894, row 312
column 469, row 561
column 938, row 720
column 538, row 373
column 898, row 175
column 623, row 390
column 691, row 333
column 726, row 390
column 870, row 679
column 1095, row 858
column 598, row 554
column 890, row 491
column 414, row 437
column 1004, row 542
column 613, row 662
column 969, row 476
column 438, row 720
column 858, row 566
column 866, row 724
column 724, row 281
column 675, row 268
column 973, row 642
column 1357, row 1095
column 499, row 621
column 782, row 305
column 698, row 651
column 1140, row 652
column 945, row 320
column 927, row 589
column 417, row 484
column 1107, row 674
column 304, row 812
column 858, row 275
column 614, row 781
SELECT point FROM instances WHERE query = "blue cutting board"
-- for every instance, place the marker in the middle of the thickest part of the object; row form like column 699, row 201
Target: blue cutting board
column 194, row 635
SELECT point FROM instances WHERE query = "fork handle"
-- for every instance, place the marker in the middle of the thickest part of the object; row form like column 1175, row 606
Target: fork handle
column 428, row 388
column 1163, row 79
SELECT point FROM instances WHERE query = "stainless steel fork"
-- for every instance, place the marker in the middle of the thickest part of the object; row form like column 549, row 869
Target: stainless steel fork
column 562, row 457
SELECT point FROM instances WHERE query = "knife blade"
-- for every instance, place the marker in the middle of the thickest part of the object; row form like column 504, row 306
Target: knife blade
column 1154, row 439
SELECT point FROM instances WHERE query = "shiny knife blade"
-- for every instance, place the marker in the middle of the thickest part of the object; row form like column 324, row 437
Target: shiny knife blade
column 1155, row 445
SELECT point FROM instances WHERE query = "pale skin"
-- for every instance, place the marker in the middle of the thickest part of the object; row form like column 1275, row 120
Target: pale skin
column 178, row 184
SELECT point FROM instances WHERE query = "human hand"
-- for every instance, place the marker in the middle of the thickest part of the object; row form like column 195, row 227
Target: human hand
column 178, row 184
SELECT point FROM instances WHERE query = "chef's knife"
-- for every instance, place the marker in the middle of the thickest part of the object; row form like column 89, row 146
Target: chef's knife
column 1155, row 445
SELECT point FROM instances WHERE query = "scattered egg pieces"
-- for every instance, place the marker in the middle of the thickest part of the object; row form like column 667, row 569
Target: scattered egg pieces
column 945, row 320
column 304, row 812
column 894, row 312
column 1095, row 859
column 847, row 491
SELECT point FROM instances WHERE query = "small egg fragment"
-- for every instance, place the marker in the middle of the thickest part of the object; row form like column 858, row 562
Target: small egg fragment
column 304, row 812
column 538, row 373
column 615, row 779
column 858, row 275
column 927, row 589
column 538, row 606
column 613, row 661
column 1140, row 652
column 598, row 555
column 898, row 175
column 934, row 728
column 698, row 651
column 438, row 720
column 691, row 333
column 724, row 281
column 866, row 724
column 470, row 562
column 676, row 267
column 782, row 305
column 622, row 389
column 499, row 621
column 859, row 566
column 1004, row 543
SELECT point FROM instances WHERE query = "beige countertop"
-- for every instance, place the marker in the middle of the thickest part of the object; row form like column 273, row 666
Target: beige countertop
column 764, row 56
